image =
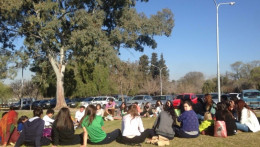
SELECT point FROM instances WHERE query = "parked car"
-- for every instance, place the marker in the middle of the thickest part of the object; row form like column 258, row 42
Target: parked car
column 72, row 103
column 35, row 104
column 87, row 101
column 237, row 95
column 24, row 103
column 141, row 99
column 214, row 97
column 185, row 96
column 201, row 96
column 162, row 98
column 251, row 97
column 45, row 104
column 103, row 100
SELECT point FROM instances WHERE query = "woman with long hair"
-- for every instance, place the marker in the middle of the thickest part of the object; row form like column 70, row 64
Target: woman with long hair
column 100, row 111
column 158, row 107
column 210, row 106
column 63, row 129
column 132, row 127
column 123, row 109
column 223, row 114
column 247, row 118
column 92, row 127
column 165, row 122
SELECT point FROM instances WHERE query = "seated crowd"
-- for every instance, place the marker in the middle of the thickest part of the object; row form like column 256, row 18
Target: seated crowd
column 193, row 120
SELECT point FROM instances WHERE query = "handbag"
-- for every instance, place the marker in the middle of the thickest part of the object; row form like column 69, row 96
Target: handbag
column 220, row 129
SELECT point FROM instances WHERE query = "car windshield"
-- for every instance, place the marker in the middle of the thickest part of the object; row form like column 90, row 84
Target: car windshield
column 186, row 97
column 214, row 96
column 89, row 99
column 179, row 97
column 138, row 98
column 251, row 94
column 159, row 98
column 43, row 101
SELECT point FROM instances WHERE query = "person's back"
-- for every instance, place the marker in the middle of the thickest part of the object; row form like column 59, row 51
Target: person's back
column 31, row 134
column 164, row 125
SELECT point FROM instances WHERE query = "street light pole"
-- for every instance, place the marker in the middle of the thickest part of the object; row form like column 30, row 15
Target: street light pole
column 218, row 71
column 160, row 69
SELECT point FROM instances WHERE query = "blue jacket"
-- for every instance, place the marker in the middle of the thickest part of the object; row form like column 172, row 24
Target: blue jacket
column 189, row 121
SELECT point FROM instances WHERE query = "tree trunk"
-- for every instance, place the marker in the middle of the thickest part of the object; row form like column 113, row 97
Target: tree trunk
column 60, row 101
column 59, row 69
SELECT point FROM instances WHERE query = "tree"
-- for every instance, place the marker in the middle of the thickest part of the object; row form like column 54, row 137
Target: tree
column 5, row 93
column 191, row 82
column 144, row 65
column 208, row 86
column 255, row 77
column 161, row 64
column 236, row 67
column 154, row 71
column 64, row 30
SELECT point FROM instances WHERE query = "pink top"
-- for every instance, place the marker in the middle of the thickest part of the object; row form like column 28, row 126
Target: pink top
column 110, row 106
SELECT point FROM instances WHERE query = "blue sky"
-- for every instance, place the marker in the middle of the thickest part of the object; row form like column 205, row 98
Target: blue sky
column 192, row 44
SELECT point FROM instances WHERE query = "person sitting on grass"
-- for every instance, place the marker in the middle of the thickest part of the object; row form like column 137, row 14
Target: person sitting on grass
column 164, row 123
column 48, row 118
column 158, row 107
column 248, row 121
column 207, row 125
column 63, row 132
column 132, row 128
column 21, row 122
column 189, row 122
column 223, row 114
column 79, row 114
column 92, row 125
column 8, row 131
column 100, row 111
column 210, row 105
column 31, row 134
column 123, row 109
column 147, row 111
column 110, row 107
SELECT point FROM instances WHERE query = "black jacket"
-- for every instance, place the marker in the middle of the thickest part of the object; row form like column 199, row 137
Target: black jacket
column 31, row 133
column 64, row 136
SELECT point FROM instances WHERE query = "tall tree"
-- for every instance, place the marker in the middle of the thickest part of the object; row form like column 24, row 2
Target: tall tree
column 161, row 64
column 144, row 65
column 154, row 71
column 62, row 30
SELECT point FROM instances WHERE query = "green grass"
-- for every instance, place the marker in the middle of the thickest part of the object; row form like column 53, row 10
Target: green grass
column 241, row 139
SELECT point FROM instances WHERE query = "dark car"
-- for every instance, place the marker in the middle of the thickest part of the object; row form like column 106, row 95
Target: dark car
column 162, row 98
column 53, row 103
column 35, row 104
column 45, row 104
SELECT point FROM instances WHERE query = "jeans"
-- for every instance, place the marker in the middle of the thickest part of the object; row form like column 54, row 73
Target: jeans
column 182, row 134
column 111, row 137
column 200, row 117
column 242, row 127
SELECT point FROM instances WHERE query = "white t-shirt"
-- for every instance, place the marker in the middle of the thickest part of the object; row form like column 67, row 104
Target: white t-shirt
column 79, row 115
column 132, row 127
column 100, row 112
column 48, row 121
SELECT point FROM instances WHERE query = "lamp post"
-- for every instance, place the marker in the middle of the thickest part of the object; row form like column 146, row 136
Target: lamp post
column 218, row 73
column 160, row 69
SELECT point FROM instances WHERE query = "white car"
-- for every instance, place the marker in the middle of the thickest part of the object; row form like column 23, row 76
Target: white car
column 103, row 100
column 87, row 101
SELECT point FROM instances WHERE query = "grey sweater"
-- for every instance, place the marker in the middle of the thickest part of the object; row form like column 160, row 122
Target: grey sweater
column 163, row 125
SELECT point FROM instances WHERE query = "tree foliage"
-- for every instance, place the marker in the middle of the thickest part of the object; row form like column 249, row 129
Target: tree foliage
column 61, row 31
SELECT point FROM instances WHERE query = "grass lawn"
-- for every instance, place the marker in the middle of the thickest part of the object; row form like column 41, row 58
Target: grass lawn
column 241, row 139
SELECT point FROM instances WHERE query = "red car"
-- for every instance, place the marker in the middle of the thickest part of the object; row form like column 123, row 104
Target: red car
column 177, row 100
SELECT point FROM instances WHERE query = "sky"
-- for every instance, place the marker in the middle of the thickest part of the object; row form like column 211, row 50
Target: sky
column 192, row 44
